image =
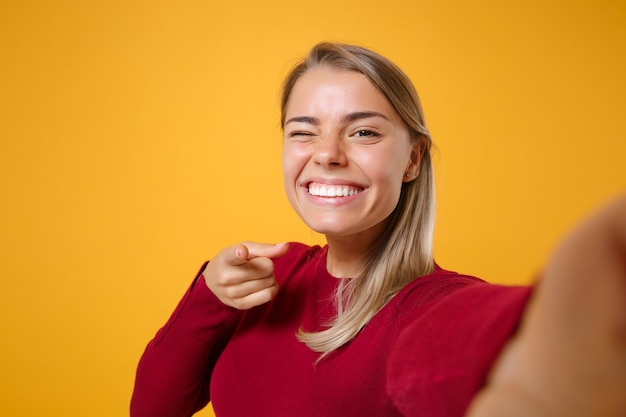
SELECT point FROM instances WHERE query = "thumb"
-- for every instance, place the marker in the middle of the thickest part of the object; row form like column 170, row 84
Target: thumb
column 237, row 255
column 256, row 250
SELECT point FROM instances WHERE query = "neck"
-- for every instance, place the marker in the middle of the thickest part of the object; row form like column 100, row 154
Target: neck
column 346, row 253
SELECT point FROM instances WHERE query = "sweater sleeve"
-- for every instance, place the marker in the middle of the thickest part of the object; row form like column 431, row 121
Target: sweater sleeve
column 442, row 359
column 174, row 371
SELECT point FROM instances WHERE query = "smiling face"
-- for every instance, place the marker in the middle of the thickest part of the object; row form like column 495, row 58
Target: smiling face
column 346, row 154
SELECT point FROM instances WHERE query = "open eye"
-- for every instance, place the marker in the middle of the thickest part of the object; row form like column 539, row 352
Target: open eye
column 366, row 133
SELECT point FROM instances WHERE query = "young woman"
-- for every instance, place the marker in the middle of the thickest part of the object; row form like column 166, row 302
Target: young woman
column 367, row 325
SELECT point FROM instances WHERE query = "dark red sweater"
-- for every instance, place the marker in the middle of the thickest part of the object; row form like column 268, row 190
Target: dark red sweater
column 426, row 353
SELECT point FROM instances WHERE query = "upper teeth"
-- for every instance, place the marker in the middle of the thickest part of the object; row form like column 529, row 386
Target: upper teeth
column 325, row 190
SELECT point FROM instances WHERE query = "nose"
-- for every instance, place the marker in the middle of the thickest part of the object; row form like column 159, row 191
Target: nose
column 329, row 151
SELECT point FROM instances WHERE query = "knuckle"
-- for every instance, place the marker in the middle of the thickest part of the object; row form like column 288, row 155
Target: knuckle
column 230, row 292
column 238, row 304
column 228, row 277
column 267, row 294
column 264, row 265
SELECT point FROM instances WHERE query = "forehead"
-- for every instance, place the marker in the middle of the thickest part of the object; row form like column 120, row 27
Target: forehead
column 330, row 90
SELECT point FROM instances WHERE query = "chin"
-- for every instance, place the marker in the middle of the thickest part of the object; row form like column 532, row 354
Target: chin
column 329, row 229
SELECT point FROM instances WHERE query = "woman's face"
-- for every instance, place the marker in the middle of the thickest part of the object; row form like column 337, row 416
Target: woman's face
column 346, row 154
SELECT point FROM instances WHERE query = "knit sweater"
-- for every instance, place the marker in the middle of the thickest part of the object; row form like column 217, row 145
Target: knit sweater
column 426, row 353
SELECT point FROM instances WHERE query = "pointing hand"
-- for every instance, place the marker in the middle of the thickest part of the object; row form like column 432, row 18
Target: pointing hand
column 242, row 275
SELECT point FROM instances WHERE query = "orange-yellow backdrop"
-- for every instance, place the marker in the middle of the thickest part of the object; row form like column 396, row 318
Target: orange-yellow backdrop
column 140, row 137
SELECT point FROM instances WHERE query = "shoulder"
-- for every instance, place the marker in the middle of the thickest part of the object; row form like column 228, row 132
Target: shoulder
column 447, row 346
column 432, row 288
column 453, row 303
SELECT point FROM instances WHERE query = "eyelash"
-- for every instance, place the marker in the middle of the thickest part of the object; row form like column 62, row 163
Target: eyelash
column 366, row 133
column 300, row 133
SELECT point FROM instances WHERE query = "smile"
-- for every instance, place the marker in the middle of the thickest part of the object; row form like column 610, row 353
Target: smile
column 328, row 190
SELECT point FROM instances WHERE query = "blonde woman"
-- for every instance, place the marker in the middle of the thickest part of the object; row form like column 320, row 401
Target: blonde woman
column 367, row 325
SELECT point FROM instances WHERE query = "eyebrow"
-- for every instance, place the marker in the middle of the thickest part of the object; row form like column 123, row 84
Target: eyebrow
column 348, row 118
column 363, row 115
column 304, row 119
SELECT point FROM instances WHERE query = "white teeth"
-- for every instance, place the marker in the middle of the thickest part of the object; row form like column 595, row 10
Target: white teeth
column 325, row 190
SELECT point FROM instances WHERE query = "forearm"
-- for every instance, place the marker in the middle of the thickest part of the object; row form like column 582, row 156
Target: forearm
column 569, row 359
column 174, row 371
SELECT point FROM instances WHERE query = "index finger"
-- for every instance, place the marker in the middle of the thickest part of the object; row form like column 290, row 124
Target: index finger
column 266, row 250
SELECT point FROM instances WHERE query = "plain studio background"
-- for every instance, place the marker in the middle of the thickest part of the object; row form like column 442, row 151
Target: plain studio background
column 139, row 138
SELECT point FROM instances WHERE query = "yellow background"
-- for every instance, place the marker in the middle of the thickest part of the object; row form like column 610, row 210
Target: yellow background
column 140, row 137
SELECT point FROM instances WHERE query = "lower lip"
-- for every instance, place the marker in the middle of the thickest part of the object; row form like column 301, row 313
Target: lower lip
column 331, row 201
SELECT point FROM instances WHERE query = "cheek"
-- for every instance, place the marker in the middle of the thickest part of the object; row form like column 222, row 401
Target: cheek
column 288, row 165
column 382, row 169
column 287, row 173
column 293, row 163
column 294, row 160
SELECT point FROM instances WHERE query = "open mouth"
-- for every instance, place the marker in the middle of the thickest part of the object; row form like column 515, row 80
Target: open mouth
column 332, row 190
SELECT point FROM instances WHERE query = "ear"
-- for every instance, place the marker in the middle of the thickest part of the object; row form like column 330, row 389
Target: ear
column 413, row 169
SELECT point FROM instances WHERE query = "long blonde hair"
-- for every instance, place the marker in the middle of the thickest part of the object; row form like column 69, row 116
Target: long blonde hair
column 403, row 252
